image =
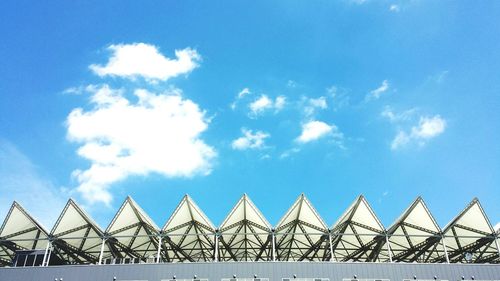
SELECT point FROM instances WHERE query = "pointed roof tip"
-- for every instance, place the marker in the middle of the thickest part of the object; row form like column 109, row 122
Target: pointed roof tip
column 361, row 196
column 474, row 200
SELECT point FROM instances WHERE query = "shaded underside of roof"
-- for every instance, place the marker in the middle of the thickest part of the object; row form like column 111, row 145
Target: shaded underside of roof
column 470, row 237
column 415, row 236
column 131, row 233
column 301, row 234
column 76, row 238
column 246, row 235
column 188, row 235
column 20, row 231
column 358, row 235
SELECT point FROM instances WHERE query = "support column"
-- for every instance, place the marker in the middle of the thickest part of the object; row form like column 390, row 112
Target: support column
column 159, row 248
column 216, row 254
column 273, row 242
column 101, row 253
column 331, row 246
column 388, row 246
column 48, row 256
column 45, row 253
column 445, row 250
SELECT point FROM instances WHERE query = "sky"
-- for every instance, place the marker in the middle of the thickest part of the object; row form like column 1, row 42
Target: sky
column 333, row 99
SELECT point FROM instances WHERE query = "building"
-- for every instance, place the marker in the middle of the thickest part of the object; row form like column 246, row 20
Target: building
column 357, row 246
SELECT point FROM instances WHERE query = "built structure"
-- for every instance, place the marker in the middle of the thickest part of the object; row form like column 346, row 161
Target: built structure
column 301, row 243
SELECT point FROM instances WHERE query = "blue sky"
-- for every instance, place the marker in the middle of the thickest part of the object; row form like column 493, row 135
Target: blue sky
column 389, row 99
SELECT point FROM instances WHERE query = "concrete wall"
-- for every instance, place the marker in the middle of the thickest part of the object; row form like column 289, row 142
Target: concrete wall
column 272, row 270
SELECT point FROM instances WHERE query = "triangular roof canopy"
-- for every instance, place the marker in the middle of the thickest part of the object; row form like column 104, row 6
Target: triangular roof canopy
column 469, row 232
column 245, row 233
column 189, row 233
column 301, row 232
column 414, row 235
column 355, row 232
column 76, row 236
column 134, row 233
column 20, row 231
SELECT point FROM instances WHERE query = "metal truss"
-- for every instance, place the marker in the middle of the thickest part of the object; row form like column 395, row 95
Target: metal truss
column 188, row 235
column 354, row 234
column 469, row 237
column 20, row 231
column 301, row 234
column 415, row 236
column 245, row 235
column 75, row 237
column 132, row 233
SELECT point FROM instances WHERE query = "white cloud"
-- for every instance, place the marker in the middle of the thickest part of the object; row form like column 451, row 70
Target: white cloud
column 358, row 2
column 264, row 103
column 314, row 130
column 394, row 8
column 291, row 84
column 339, row 97
column 375, row 94
column 21, row 180
column 428, row 128
column 241, row 94
column 279, row 103
column 312, row 104
column 319, row 102
column 158, row 133
column 244, row 92
column 250, row 140
column 400, row 140
column 144, row 60
column 289, row 152
column 394, row 117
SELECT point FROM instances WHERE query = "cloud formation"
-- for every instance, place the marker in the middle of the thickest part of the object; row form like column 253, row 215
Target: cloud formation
column 313, row 104
column 158, row 133
column 394, row 117
column 375, row 94
column 264, row 103
column 144, row 60
column 314, row 130
column 394, row 8
column 250, row 140
column 427, row 128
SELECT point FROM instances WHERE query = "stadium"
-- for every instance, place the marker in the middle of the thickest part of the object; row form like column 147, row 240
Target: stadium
column 247, row 247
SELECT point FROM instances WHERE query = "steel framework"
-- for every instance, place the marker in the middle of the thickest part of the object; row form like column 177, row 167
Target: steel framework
column 246, row 235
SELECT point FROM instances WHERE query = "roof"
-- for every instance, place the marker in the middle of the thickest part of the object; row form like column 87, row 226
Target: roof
column 246, row 235
column 20, row 231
